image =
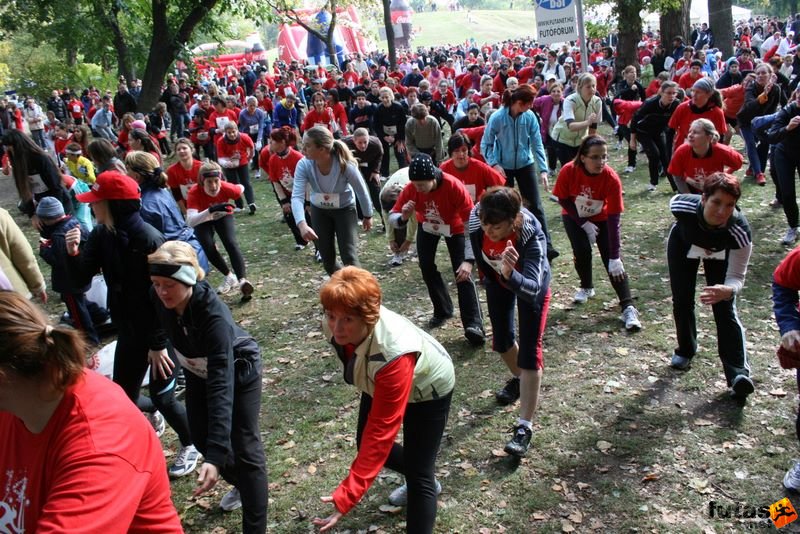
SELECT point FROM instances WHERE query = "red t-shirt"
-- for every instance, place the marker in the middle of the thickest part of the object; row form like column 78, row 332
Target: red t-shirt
column 477, row 177
column 444, row 210
column 199, row 134
column 96, row 467
column 244, row 147
column 595, row 196
column 493, row 255
column 61, row 144
column 219, row 120
column 475, row 135
column 281, row 170
column 686, row 80
column 316, row 118
column 721, row 159
column 684, row 116
column 180, row 180
column 199, row 200
column 75, row 108
column 788, row 272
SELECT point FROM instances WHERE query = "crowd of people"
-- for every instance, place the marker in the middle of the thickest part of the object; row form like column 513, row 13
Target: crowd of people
column 478, row 134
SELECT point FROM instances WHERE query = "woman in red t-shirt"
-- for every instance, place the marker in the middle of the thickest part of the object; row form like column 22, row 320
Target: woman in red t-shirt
column 280, row 168
column 706, row 103
column 234, row 152
column 701, row 156
column 476, row 175
column 208, row 211
column 184, row 173
column 319, row 114
column 590, row 193
column 71, row 435
column 125, row 131
column 200, row 135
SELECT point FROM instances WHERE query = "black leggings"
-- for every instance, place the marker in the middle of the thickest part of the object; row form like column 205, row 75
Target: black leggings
column 564, row 152
column 529, row 189
column 245, row 467
column 241, row 175
column 423, row 426
column 401, row 158
column 226, row 231
column 658, row 149
column 786, row 166
column 130, row 366
column 582, row 255
column 468, row 305
column 624, row 132
column 375, row 197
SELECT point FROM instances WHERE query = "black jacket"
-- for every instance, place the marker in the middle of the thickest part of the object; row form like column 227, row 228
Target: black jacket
column 45, row 181
column 652, row 118
column 121, row 254
column 54, row 252
column 58, row 107
column 753, row 108
column 778, row 133
column 392, row 116
column 210, row 343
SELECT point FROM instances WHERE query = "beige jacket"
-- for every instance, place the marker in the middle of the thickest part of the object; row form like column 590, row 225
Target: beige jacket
column 17, row 259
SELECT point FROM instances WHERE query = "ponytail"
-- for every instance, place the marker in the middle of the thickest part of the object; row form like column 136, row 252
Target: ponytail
column 341, row 153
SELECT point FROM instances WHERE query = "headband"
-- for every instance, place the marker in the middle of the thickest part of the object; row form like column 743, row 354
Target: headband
column 77, row 152
column 210, row 173
column 184, row 274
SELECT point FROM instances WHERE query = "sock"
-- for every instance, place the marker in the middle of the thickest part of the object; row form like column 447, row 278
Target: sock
column 526, row 424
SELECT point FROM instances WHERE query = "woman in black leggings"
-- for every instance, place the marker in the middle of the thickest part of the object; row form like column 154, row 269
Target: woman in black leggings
column 208, row 210
column 118, row 246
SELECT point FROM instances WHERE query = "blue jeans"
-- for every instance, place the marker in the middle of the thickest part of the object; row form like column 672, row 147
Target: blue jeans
column 756, row 150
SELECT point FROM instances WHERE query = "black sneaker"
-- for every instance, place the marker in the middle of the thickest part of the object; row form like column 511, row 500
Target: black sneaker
column 438, row 320
column 510, row 392
column 518, row 446
column 252, row 209
column 552, row 254
column 475, row 336
column 742, row 388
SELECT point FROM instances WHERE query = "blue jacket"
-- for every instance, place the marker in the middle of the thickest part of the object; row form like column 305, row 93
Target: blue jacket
column 284, row 117
column 513, row 143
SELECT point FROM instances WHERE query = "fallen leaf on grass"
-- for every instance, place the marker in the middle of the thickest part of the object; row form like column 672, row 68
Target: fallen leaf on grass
column 485, row 394
column 702, row 422
column 312, row 469
column 651, row 477
column 576, row 517
column 288, row 445
column 622, row 351
column 499, row 453
column 389, row 509
column 566, row 526
column 777, row 393
column 700, row 486
column 603, row 446
column 539, row 516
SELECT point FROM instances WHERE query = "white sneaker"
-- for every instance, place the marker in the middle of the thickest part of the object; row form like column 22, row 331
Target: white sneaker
column 231, row 501
column 185, row 462
column 399, row 497
column 228, row 284
column 650, row 188
column 629, row 169
column 791, row 481
column 582, row 295
column 157, row 420
column 396, row 260
column 630, row 316
column 790, row 237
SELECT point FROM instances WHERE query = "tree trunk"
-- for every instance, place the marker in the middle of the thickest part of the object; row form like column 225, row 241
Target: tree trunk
column 720, row 20
column 630, row 32
column 329, row 36
column 673, row 23
column 108, row 16
column 387, row 23
column 72, row 56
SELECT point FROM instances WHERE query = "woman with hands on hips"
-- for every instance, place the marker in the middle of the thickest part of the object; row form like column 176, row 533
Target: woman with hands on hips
column 712, row 229
column 223, row 381
column 590, row 194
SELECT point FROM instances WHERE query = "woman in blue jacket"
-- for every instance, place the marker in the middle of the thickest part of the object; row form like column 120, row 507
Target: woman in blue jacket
column 511, row 143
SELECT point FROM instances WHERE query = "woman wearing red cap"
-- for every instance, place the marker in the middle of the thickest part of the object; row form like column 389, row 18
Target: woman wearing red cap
column 118, row 246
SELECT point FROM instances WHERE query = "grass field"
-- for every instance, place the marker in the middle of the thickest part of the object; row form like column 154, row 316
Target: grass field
column 622, row 443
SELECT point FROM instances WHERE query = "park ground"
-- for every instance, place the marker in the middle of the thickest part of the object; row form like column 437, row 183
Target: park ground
column 622, row 443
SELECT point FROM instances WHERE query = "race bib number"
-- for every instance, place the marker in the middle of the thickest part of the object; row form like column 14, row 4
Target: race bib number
column 198, row 366
column 254, row 129
column 472, row 191
column 221, row 122
column 497, row 264
column 588, row 207
column 76, row 109
column 699, row 253
column 390, row 130
column 436, row 228
column 37, row 184
column 325, row 200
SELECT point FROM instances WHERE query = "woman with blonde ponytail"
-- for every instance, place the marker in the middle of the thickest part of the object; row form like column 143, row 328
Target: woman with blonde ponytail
column 332, row 174
column 77, row 454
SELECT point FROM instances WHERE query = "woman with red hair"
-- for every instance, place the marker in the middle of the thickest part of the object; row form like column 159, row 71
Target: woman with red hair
column 405, row 376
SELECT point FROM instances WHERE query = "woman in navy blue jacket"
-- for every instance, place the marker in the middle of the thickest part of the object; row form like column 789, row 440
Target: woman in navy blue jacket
column 509, row 246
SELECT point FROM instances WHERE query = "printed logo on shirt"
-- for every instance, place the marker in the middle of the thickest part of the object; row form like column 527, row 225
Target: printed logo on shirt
column 434, row 223
column 12, row 507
